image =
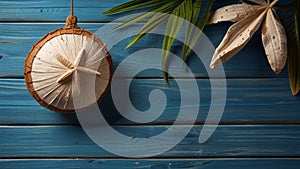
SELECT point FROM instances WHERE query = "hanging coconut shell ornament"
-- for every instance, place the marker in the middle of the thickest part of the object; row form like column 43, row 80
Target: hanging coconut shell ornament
column 67, row 63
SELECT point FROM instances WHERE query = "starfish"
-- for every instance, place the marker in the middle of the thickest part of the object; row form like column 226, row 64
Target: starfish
column 248, row 19
column 73, row 68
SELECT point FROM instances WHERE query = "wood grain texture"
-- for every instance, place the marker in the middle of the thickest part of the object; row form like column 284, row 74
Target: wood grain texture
column 260, row 125
column 58, row 10
column 227, row 141
column 213, row 163
column 249, row 101
column 55, row 10
column 16, row 40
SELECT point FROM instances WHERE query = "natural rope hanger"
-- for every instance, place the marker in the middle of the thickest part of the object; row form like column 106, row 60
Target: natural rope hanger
column 66, row 64
column 71, row 7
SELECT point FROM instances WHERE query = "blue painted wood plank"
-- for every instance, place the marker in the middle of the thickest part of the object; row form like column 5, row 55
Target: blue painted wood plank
column 248, row 101
column 214, row 163
column 55, row 10
column 228, row 141
column 58, row 10
column 16, row 40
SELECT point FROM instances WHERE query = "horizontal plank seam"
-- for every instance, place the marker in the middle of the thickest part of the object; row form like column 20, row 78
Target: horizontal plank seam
column 145, row 125
column 159, row 158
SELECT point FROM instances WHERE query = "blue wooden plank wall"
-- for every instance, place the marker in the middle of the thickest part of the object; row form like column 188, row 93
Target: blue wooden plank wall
column 260, row 127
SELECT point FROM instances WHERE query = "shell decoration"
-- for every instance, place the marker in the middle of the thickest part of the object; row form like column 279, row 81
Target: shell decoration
column 65, row 63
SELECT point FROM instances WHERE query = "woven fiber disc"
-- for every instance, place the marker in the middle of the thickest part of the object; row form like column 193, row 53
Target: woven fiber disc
column 67, row 63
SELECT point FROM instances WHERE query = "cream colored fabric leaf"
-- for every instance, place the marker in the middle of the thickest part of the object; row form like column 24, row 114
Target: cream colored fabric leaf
column 237, row 36
column 275, row 42
column 232, row 13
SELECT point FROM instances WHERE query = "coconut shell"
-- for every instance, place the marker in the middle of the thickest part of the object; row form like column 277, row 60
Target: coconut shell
column 67, row 61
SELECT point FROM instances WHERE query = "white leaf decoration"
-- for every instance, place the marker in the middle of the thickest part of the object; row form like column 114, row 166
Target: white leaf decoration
column 237, row 36
column 232, row 13
column 275, row 42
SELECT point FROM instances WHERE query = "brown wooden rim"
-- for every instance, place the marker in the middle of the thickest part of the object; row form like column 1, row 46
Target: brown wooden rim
column 70, row 28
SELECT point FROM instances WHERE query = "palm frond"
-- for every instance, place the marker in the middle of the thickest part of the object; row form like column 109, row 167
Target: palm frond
column 290, row 17
column 166, row 7
column 189, row 29
column 154, row 22
column 294, row 52
column 201, row 24
column 172, row 28
column 186, row 9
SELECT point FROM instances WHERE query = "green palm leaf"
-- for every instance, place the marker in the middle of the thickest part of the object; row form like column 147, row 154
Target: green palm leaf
column 294, row 50
column 154, row 22
column 191, row 17
column 173, row 26
column 290, row 15
column 166, row 7
column 201, row 24
column 185, row 9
